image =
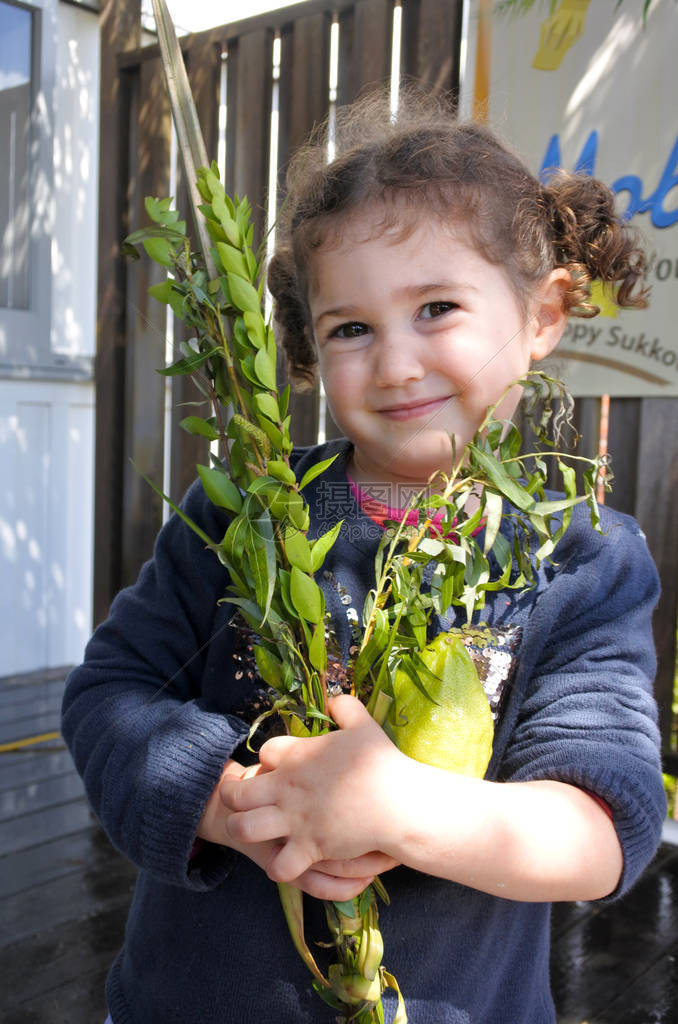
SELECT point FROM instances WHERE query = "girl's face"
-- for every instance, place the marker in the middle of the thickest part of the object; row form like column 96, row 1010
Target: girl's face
column 416, row 336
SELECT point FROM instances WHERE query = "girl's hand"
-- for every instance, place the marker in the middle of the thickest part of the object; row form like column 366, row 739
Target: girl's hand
column 328, row 880
column 330, row 798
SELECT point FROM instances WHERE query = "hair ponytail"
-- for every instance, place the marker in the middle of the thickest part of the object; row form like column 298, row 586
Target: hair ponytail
column 593, row 243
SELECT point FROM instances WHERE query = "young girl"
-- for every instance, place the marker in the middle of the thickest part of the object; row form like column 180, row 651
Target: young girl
column 421, row 272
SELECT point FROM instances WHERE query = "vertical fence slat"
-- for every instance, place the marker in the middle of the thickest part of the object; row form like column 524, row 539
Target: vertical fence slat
column 622, row 445
column 657, row 512
column 303, row 103
column 248, row 131
column 145, row 391
column 431, row 37
column 204, row 73
column 365, row 44
column 120, row 30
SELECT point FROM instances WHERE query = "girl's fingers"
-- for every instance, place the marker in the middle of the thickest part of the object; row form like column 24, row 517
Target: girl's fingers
column 358, row 867
column 330, row 887
column 291, row 861
column 256, row 826
column 243, row 794
column 273, row 751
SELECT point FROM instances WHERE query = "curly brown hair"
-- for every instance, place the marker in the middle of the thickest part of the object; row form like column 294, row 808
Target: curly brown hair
column 423, row 160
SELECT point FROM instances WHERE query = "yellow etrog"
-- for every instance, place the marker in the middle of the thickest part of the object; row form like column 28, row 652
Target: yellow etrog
column 456, row 732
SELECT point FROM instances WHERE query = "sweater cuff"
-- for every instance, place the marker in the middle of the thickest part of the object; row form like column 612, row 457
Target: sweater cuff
column 185, row 761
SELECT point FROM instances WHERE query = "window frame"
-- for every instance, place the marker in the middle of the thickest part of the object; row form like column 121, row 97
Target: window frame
column 25, row 334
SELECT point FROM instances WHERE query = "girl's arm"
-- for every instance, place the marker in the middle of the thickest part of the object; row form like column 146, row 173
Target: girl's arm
column 148, row 745
column 340, row 795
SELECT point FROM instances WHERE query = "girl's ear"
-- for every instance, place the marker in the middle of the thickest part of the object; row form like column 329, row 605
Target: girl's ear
column 550, row 316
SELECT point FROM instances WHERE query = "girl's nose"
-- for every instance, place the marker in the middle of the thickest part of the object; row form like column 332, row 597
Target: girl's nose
column 397, row 361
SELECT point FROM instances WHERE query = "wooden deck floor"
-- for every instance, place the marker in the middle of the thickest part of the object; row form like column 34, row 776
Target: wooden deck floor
column 64, row 894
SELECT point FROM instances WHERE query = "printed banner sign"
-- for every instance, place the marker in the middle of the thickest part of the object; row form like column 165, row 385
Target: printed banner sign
column 592, row 87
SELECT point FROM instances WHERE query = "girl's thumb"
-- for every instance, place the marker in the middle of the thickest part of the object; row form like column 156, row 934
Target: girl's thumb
column 348, row 712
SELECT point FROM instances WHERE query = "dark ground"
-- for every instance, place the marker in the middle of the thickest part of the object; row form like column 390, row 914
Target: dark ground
column 64, row 894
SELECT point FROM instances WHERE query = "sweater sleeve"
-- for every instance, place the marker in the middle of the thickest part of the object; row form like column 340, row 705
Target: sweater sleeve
column 588, row 716
column 146, row 745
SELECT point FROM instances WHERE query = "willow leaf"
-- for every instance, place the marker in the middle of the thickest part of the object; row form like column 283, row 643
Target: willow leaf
column 516, row 494
column 245, row 296
column 323, row 544
column 315, row 471
column 267, row 405
column 298, row 549
column 306, row 595
column 199, row 427
column 175, row 508
column 220, row 489
column 292, row 900
column 493, row 516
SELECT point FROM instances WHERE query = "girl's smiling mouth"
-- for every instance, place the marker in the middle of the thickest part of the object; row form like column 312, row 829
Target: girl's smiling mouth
column 412, row 410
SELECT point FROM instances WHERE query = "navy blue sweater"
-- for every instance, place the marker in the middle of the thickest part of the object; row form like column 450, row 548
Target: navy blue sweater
column 149, row 718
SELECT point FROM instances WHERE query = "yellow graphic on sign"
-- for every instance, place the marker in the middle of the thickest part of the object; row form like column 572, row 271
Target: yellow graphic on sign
column 602, row 295
column 559, row 32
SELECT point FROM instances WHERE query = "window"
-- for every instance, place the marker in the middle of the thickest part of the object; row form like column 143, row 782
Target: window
column 15, row 111
column 48, row 71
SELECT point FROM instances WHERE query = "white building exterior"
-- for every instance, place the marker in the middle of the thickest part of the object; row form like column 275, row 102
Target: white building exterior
column 48, row 229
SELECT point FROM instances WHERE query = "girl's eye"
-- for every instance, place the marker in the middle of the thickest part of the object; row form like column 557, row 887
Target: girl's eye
column 351, row 330
column 434, row 309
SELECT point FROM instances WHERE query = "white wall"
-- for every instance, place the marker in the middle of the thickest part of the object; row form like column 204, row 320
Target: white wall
column 47, row 426
column 46, row 445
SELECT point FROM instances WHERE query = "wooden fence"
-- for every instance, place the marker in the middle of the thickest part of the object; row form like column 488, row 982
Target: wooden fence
column 231, row 69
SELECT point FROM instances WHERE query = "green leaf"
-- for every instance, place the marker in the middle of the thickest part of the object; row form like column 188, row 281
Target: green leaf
column 493, row 514
column 199, row 427
column 516, row 494
column 220, row 489
column 298, row 549
column 292, row 901
column 175, row 508
column 315, row 471
column 245, row 296
column 317, row 651
column 306, row 595
column 297, row 513
column 267, row 405
column 346, row 907
column 188, row 365
column 322, row 545
column 161, row 292
column 269, row 667
column 284, row 400
column 264, row 367
column 222, row 212
column 263, row 562
column 256, row 331
column 431, row 547
column 168, row 292
column 281, row 471
column 160, row 250
column 273, row 434
column 547, row 508
column 170, row 233
column 232, row 260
